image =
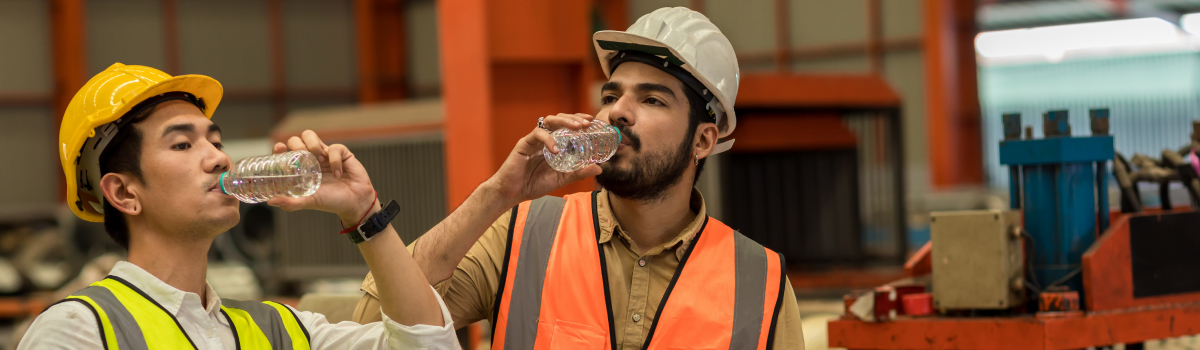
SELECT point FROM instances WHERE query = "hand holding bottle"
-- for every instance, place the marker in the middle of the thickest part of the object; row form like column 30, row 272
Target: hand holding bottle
column 526, row 175
column 345, row 188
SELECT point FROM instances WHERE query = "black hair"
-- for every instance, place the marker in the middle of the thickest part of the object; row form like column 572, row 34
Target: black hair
column 122, row 155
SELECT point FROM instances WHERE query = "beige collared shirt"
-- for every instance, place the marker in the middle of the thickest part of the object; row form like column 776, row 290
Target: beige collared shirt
column 636, row 290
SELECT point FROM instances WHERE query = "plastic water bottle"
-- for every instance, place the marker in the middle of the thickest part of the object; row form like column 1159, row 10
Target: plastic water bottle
column 580, row 148
column 257, row 179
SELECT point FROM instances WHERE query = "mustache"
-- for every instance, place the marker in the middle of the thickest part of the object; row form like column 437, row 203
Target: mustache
column 634, row 140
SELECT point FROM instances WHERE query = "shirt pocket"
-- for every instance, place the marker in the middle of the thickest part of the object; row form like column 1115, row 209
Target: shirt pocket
column 571, row 335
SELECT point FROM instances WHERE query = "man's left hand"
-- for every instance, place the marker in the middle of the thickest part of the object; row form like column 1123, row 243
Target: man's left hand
column 345, row 190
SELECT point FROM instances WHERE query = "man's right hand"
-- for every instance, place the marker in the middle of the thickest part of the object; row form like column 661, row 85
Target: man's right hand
column 525, row 175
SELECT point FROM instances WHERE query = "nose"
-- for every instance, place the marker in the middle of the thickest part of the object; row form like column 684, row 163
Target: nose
column 622, row 111
column 217, row 161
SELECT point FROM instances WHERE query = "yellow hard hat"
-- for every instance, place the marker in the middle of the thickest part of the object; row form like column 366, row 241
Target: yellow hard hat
column 97, row 113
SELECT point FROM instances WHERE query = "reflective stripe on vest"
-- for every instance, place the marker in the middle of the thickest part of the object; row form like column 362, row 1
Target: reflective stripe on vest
column 130, row 319
column 554, row 294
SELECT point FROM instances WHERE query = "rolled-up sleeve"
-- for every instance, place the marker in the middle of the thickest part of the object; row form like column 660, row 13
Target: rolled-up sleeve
column 470, row 292
column 385, row 334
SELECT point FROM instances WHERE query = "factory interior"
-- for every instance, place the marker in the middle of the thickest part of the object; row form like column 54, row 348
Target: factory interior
column 933, row 174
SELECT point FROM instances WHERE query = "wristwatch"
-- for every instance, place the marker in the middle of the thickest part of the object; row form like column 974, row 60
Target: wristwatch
column 375, row 224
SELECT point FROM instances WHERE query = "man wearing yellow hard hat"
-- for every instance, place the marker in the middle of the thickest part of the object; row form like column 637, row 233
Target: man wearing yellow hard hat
column 639, row 264
column 141, row 154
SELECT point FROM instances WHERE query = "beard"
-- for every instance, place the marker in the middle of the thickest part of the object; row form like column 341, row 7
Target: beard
column 649, row 176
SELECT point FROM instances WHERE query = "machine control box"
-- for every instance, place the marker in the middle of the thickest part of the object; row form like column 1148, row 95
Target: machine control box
column 977, row 259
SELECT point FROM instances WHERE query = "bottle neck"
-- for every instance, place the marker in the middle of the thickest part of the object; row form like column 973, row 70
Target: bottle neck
column 222, row 181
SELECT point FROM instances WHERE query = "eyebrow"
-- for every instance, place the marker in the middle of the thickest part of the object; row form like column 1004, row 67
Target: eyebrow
column 641, row 87
column 188, row 128
column 648, row 87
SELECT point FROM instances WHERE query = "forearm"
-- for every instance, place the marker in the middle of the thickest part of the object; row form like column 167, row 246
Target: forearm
column 439, row 250
column 404, row 301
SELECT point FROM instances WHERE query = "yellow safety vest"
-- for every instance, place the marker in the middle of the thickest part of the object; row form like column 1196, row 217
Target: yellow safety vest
column 130, row 320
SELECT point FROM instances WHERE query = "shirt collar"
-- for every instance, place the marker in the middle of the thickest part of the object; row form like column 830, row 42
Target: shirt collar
column 609, row 225
column 169, row 297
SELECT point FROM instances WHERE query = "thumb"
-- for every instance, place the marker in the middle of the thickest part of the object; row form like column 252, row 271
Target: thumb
column 289, row 203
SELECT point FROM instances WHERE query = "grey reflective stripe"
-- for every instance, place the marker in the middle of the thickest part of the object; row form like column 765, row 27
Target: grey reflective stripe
column 750, row 273
column 525, row 302
column 129, row 334
column 268, row 320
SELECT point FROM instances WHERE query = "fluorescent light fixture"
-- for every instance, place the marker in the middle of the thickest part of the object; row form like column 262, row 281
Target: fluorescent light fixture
column 1190, row 23
column 1054, row 42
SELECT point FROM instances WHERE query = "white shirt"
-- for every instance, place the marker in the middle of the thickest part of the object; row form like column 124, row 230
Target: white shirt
column 73, row 325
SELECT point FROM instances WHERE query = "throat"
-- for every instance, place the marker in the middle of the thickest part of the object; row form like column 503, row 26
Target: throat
column 183, row 265
column 651, row 224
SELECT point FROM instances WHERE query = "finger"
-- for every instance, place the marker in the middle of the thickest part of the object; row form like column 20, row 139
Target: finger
column 313, row 144
column 337, row 154
column 295, row 144
column 546, row 140
column 279, row 148
column 586, row 118
column 569, row 121
column 576, row 118
column 533, row 142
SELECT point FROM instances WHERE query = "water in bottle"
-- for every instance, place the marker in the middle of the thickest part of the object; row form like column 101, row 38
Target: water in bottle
column 580, row 148
column 257, row 179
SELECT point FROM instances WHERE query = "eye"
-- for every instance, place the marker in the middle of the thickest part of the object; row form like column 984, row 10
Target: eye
column 654, row 101
column 608, row 100
column 219, row 145
column 182, row 146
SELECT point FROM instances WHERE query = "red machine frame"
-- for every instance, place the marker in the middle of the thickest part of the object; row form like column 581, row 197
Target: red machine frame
column 1113, row 315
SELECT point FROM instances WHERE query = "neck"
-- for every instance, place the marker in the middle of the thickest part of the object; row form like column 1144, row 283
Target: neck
column 172, row 257
column 653, row 223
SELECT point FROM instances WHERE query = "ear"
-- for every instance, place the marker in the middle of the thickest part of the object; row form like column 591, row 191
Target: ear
column 121, row 191
column 705, row 140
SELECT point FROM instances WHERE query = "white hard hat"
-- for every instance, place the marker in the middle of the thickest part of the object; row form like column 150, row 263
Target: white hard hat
column 686, row 39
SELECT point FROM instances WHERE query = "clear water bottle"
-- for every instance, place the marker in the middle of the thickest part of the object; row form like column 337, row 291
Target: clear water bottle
column 257, row 179
column 580, row 148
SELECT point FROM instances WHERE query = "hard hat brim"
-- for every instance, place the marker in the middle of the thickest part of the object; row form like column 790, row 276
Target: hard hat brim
column 203, row 87
column 605, row 53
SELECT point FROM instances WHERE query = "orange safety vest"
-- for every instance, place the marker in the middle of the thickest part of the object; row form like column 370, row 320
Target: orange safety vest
column 553, row 294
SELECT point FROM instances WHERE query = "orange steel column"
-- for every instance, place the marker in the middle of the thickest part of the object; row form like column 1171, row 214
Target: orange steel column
column 69, row 54
column 504, row 64
column 955, row 152
column 382, row 50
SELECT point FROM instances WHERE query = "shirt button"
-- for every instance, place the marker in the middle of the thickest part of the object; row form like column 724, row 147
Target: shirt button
column 637, row 318
column 208, row 333
column 642, row 262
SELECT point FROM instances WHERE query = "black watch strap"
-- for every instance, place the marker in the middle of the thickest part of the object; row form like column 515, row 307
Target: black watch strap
column 375, row 224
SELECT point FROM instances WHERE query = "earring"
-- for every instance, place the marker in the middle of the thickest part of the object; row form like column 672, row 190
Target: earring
column 696, row 160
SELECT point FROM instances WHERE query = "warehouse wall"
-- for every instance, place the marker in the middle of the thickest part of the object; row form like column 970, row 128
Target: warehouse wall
column 227, row 39
column 750, row 27
column 27, row 135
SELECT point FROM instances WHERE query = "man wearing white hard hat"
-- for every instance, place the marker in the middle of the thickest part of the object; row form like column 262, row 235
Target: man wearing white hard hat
column 638, row 264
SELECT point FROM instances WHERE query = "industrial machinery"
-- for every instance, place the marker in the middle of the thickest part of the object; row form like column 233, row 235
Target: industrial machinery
column 1050, row 273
